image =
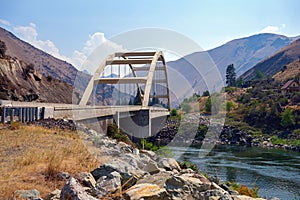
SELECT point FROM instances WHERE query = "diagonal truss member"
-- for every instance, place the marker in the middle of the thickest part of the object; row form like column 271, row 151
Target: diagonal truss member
column 131, row 59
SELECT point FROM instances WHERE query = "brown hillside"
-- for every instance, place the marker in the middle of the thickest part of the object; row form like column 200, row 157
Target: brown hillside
column 43, row 62
column 289, row 72
column 277, row 62
column 21, row 82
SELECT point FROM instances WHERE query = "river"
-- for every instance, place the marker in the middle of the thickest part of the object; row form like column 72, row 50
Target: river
column 275, row 171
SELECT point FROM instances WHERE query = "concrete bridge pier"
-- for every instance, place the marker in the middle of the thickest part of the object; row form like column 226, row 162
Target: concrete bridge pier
column 140, row 124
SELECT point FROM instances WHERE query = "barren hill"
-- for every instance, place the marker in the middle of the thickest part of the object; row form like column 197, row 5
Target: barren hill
column 21, row 82
column 43, row 62
column 276, row 62
column 290, row 71
column 244, row 53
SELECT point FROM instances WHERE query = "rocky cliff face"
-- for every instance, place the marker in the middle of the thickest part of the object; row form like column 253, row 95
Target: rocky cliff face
column 20, row 81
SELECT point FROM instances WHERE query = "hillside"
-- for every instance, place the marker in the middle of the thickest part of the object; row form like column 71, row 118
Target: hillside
column 244, row 53
column 43, row 62
column 289, row 72
column 276, row 62
column 19, row 55
column 21, row 82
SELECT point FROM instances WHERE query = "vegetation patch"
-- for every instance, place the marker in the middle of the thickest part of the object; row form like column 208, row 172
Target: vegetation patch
column 33, row 156
column 243, row 190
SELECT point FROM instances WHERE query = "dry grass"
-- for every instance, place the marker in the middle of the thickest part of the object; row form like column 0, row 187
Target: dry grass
column 293, row 70
column 32, row 156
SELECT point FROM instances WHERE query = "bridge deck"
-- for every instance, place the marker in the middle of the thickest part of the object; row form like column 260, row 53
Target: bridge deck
column 78, row 112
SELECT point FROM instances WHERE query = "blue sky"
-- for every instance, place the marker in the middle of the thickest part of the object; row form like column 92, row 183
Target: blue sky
column 70, row 29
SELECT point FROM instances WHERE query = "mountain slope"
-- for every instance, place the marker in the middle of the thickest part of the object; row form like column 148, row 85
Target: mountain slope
column 46, row 65
column 43, row 62
column 20, row 82
column 291, row 71
column 276, row 62
column 244, row 53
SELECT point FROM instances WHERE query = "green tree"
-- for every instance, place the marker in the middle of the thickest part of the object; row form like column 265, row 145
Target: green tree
column 240, row 82
column 173, row 112
column 208, row 106
column 205, row 93
column 2, row 48
column 287, row 119
column 229, row 105
column 137, row 99
column 230, row 75
column 259, row 74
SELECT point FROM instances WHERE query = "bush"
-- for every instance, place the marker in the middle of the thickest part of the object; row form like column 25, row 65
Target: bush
column 242, row 189
column 230, row 89
column 149, row 145
column 205, row 93
column 173, row 112
column 187, row 164
column 115, row 133
column 230, row 105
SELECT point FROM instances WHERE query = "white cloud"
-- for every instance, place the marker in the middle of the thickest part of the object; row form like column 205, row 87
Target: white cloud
column 79, row 57
column 273, row 29
column 29, row 34
column 4, row 22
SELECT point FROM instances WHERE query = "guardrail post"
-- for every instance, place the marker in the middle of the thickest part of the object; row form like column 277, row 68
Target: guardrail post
column 35, row 114
column 23, row 115
column 42, row 113
column 3, row 115
column 11, row 115
column 30, row 115
column 27, row 114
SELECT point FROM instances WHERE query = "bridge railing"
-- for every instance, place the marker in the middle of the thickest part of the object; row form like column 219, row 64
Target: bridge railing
column 21, row 114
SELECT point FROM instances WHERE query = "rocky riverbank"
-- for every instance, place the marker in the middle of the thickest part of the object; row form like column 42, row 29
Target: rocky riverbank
column 131, row 173
column 193, row 129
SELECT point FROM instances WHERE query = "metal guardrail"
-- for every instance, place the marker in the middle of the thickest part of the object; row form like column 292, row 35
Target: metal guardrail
column 21, row 114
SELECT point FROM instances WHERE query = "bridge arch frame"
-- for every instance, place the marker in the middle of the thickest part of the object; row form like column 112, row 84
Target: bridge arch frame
column 138, row 58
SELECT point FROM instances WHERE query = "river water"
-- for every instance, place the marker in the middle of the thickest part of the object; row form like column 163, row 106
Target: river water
column 275, row 171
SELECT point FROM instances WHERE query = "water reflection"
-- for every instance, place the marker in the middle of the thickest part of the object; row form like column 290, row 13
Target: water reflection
column 275, row 171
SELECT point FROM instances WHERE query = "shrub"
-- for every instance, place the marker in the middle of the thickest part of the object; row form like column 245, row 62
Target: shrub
column 205, row 93
column 230, row 105
column 115, row 133
column 287, row 119
column 296, row 132
column 242, row 189
column 173, row 112
column 187, row 164
column 149, row 145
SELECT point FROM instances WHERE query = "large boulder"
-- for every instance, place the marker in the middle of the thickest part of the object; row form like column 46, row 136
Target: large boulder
column 151, row 167
column 169, row 164
column 145, row 191
column 74, row 191
column 157, row 179
column 243, row 197
column 86, row 179
column 186, row 186
column 108, row 184
column 54, row 195
column 214, row 194
column 27, row 194
column 129, row 171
